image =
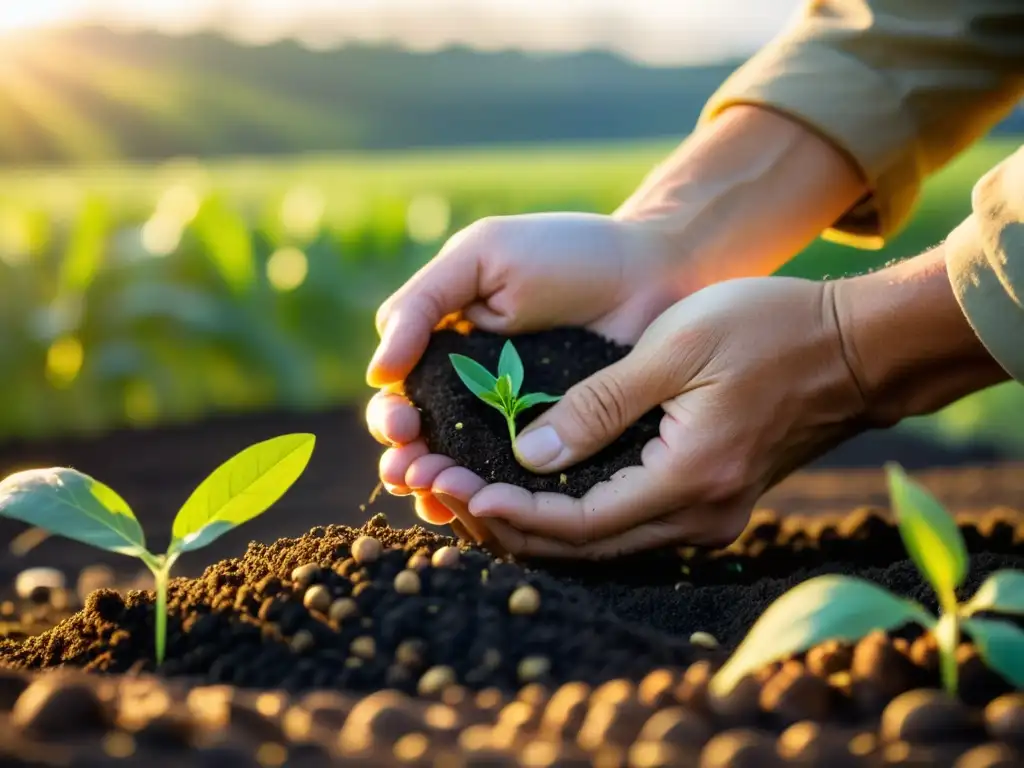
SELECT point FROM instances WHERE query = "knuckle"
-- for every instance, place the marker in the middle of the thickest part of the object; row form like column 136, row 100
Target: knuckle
column 599, row 402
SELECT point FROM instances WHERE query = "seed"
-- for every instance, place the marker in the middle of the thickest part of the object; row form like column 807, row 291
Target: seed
column 484, row 575
column 446, row 557
column 524, row 600
column 407, row 583
column 533, row 667
column 305, row 574
column 435, row 680
column 563, row 478
column 317, row 598
column 302, row 641
column 410, row 653
column 365, row 647
column 458, row 425
column 343, row 608
column 704, row 639
column 418, row 562
column 366, row 549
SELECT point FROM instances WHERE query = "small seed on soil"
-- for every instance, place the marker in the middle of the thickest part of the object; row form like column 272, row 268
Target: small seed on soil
column 407, row 583
column 317, row 598
column 435, row 680
column 365, row 647
column 303, row 641
column 524, row 600
column 418, row 562
column 343, row 608
column 410, row 653
column 533, row 668
column 446, row 557
column 458, row 425
column 304, row 575
column 366, row 549
column 704, row 639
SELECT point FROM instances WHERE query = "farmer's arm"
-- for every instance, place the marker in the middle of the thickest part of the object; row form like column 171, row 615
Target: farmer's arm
column 897, row 88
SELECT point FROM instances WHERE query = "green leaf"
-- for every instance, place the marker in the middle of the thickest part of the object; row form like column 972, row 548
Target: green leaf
column 503, row 388
column 67, row 503
column 1001, row 646
column 1002, row 591
column 240, row 489
column 930, row 535
column 511, row 365
column 492, row 398
column 477, row 379
column 537, row 398
column 819, row 609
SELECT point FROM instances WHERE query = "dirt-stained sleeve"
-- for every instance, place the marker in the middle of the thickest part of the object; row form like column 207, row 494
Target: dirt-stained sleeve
column 985, row 262
column 901, row 86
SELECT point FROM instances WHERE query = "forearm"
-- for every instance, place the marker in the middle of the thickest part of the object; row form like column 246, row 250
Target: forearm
column 744, row 194
column 907, row 341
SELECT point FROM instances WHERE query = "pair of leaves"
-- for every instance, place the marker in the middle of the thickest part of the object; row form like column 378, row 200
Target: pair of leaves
column 501, row 391
column 71, row 504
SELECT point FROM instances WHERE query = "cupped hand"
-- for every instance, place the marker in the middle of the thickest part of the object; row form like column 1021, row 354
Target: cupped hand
column 754, row 382
column 511, row 275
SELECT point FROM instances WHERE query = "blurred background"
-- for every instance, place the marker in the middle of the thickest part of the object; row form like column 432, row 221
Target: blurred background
column 202, row 202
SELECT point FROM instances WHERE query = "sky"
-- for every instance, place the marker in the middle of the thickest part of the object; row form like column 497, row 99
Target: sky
column 660, row 32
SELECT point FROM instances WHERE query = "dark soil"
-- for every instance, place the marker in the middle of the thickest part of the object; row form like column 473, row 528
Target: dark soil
column 601, row 661
column 553, row 362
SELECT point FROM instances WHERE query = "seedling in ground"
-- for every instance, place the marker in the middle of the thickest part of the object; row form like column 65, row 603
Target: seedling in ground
column 501, row 391
column 71, row 504
column 844, row 608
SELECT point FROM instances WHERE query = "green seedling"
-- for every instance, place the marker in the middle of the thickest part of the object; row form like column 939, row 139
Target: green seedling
column 71, row 504
column 846, row 608
column 501, row 391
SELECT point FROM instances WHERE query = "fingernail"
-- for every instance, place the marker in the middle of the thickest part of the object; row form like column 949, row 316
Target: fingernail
column 539, row 447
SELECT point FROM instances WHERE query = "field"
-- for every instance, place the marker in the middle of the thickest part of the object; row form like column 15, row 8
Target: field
column 143, row 294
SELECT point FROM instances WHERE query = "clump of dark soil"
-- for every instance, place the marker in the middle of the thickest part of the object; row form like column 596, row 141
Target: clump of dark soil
column 553, row 361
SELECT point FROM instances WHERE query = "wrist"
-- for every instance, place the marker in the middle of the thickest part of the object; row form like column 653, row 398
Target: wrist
column 907, row 342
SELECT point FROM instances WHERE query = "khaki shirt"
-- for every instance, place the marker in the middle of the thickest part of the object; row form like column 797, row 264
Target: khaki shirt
column 902, row 87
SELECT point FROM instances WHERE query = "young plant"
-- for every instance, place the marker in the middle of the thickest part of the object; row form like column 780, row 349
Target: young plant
column 846, row 608
column 71, row 504
column 501, row 391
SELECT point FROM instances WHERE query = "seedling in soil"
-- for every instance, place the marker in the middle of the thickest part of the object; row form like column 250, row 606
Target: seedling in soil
column 69, row 503
column 501, row 391
column 846, row 608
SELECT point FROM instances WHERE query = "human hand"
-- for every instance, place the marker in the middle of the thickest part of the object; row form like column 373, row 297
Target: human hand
column 512, row 275
column 754, row 382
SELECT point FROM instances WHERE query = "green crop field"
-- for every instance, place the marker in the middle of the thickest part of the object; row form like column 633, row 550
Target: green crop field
column 137, row 294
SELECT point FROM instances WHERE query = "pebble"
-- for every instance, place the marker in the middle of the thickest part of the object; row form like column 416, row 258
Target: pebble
column 317, row 598
column 741, row 705
column 55, row 705
column 342, row 608
column 446, row 557
column 303, row 641
column 32, row 579
column 306, row 574
column 925, row 716
column 993, row 755
column 828, row 658
column 678, row 726
column 366, row 549
column 407, row 583
column 524, row 600
column 1004, row 719
column 410, row 653
column 435, row 680
column 418, row 562
column 740, row 748
column 704, row 639
column 533, row 668
column 364, row 647
column 795, row 695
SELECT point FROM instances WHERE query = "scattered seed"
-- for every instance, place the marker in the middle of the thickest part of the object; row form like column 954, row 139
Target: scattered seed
column 317, row 598
column 407, row 583
column 686, row 570
column 367, row 549
column 446, row 557
column 704, row 639
column 410, row 653
column 458, row 425
column 343, row 608
column 418, row 562
column 563, row 478
column 524, row 600
column 533, row 668
column 302, row 641
column 305, row 574
column 365, row 647
column 435, row 680
column 484, row 575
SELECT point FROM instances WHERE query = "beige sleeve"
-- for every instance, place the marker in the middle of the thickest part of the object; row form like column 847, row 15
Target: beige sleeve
column 900, row 86
column 985, row 262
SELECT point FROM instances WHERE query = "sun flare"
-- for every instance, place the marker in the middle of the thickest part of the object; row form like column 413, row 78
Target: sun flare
column 19, row 16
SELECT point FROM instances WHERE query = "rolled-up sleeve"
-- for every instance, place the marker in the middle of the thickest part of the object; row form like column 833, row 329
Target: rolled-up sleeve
column 900, row 86
column 985, row 263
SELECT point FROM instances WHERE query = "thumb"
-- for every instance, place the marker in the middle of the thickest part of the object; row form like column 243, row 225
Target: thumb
column 592, row 415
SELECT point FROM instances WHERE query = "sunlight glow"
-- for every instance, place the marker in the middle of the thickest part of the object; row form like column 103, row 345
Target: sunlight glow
column 17, row 16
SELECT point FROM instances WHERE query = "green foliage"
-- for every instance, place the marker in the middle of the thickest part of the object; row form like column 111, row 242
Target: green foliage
column 501, row 391
column 71, row 504
column 844, row 608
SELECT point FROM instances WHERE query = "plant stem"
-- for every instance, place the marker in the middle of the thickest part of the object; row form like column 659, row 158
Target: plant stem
column 511, row 421
column 947, row 636
column 161, row 614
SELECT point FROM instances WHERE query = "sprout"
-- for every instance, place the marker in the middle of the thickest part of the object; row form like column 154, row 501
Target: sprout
column 71, row 504
column 844, row 608
column 502, row 391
